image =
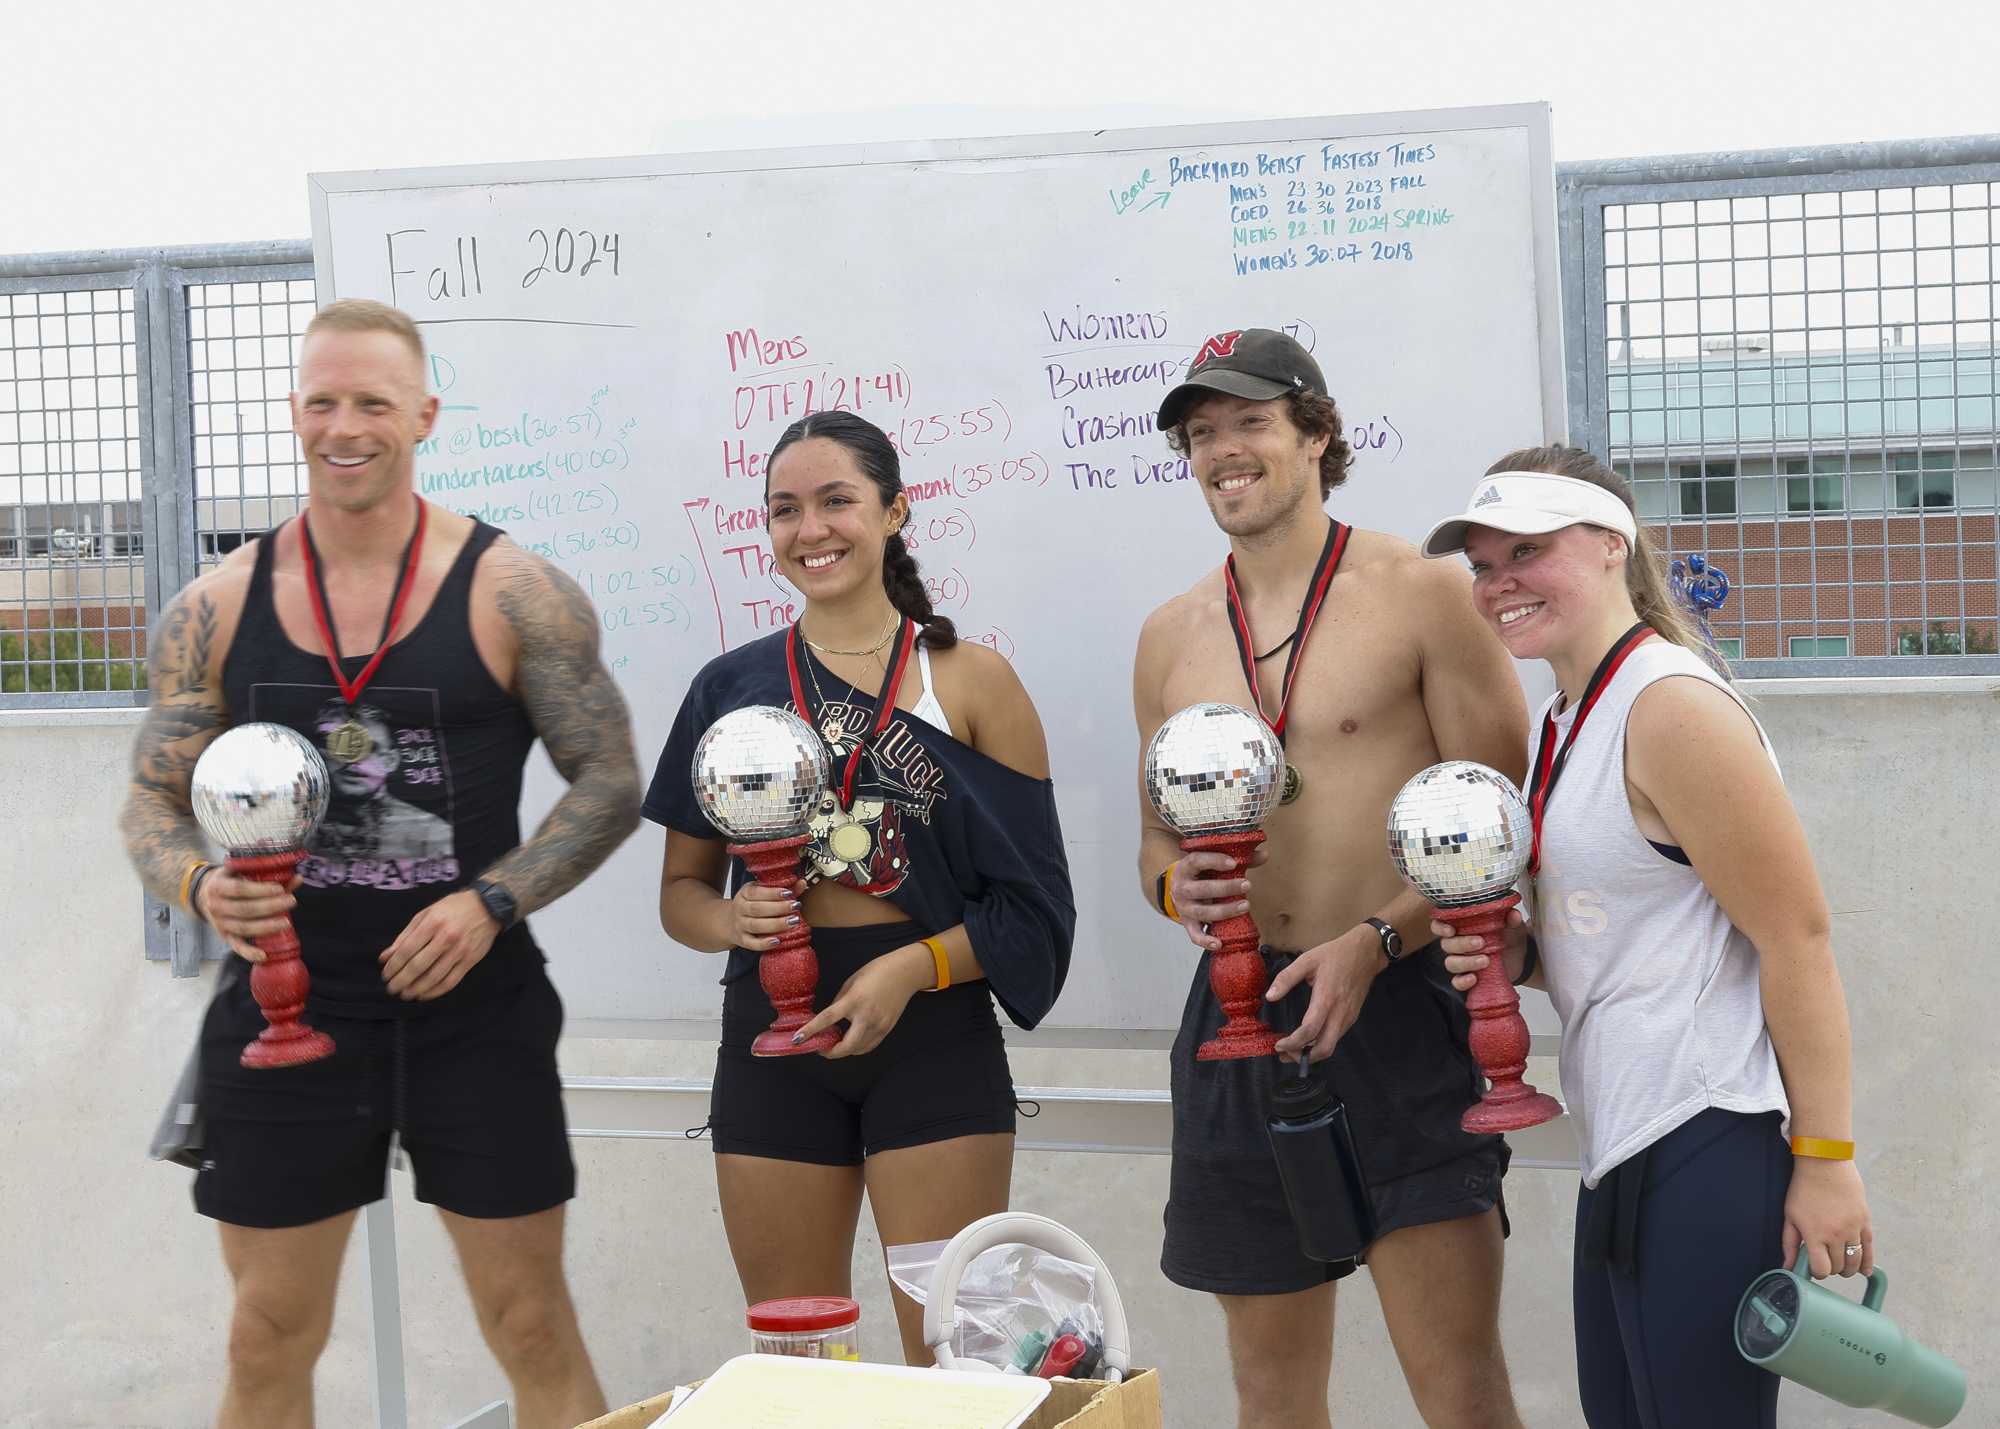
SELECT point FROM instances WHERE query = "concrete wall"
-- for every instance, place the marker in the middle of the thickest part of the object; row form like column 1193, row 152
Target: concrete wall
column 116, row 1301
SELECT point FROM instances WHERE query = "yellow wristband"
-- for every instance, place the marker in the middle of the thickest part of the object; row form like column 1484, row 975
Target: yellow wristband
column 1824, row 1150
column 943, row 961
column 1167, row 891
column 187, row 879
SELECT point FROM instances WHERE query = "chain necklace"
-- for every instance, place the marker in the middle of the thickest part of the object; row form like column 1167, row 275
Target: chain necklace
column 875, row 649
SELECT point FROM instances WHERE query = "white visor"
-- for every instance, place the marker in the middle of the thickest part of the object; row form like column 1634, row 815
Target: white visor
column 1530, row 503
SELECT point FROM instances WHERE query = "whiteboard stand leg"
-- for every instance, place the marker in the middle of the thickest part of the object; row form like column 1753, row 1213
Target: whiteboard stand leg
column 493, row 1416
column 385, row 1312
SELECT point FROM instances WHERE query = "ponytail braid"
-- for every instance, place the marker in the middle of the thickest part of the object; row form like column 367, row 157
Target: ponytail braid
column 907, row 594
column 875, row 457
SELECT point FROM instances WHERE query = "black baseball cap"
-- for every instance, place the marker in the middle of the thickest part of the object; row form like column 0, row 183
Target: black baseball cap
column 1256, row 364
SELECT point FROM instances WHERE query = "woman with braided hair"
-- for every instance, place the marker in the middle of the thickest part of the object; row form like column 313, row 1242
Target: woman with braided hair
column 935, row 885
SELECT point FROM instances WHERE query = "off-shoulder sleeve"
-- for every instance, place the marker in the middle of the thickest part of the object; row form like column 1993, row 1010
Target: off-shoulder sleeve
column 670, row 799
column 1022, row 917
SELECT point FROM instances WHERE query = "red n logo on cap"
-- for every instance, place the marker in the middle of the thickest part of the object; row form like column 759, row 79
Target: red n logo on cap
column 1221, row 345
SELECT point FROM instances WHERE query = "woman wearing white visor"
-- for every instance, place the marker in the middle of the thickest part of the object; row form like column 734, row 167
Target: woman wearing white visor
column 1679, row 928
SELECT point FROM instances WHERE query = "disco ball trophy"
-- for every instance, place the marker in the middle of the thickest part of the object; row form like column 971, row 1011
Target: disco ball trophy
column 1460, row 835
column 758, row 773
column 257, row 793
column 1215, row 773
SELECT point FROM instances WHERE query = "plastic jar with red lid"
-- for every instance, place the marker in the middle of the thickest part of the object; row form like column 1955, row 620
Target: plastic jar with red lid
column 825, row 1327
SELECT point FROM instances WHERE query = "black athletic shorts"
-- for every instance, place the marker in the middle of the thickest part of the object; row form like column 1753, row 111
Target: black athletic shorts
column 1406, row 1075
column 473, row 1092
column 940, row 1073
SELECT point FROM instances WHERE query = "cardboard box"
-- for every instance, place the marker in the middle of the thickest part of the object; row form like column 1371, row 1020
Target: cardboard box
column 1072, row 1404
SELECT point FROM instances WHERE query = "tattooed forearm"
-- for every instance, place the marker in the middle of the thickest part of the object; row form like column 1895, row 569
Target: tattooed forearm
column 577, row 710
column 186, row 713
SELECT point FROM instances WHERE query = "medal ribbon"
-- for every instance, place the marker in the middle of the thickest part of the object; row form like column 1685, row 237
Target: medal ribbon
column 885, row 702
column 1239, row 623
column 323, row 621
column 1549, row 761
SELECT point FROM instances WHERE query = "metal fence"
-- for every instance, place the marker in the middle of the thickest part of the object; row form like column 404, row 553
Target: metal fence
column 143, row 431
column 1791, row 355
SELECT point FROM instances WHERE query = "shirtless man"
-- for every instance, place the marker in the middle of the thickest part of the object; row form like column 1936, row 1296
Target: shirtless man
column 410, row 903
column 1394, row 676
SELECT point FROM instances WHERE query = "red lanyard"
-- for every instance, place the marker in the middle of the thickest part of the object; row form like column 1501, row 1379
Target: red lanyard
column 316, row 592
column 1549, row 761
column 1239, row 624
column 885, row 703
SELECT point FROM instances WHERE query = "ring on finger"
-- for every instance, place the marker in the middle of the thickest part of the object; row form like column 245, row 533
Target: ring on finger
column 1853, row 1250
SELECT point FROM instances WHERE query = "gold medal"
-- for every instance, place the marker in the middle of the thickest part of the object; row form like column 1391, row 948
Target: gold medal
column 1294, row 782
column 850, row 843
column 349, row 742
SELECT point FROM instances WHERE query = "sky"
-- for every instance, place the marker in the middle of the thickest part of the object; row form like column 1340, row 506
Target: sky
column 199, row 123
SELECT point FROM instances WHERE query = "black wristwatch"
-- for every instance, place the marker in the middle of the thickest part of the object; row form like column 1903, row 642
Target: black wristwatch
column 1392, row 941
column 499, row 902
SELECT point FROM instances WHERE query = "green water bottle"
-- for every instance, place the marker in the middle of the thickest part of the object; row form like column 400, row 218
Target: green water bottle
column 1848, row 1352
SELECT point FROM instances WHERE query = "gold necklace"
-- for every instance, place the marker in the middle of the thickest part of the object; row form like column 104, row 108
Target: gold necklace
column 875, row 649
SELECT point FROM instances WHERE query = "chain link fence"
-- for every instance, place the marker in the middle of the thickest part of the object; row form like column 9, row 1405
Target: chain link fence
column 1791, row 356
column 143, row 432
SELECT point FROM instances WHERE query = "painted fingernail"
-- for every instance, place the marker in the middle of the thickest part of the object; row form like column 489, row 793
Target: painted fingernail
column 798, row 1037
column 792, row 919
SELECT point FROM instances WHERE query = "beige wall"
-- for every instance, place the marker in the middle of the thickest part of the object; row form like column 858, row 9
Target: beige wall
column 115, row 1304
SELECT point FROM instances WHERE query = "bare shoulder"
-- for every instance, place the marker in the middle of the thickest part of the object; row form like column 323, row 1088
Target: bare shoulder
column 542, row 605
column 1000, row 718
column 976, row 670
column 1182, row 611
column 1684, row 715
column 1398, row 566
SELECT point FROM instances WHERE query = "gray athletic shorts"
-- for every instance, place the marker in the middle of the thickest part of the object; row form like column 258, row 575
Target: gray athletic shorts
column 1406, row 1076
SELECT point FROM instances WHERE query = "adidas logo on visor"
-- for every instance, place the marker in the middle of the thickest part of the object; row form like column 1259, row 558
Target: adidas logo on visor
column 1487, row 498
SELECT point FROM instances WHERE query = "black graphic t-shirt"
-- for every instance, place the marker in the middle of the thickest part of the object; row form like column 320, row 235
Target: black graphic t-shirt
column 954, row 836
column 430, row 807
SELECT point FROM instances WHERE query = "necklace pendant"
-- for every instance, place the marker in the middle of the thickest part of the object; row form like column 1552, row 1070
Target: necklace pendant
column 349, row 742
column 1294, row 782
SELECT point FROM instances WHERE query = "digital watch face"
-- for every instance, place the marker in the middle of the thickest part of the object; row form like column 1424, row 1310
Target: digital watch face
column 1769, row 1315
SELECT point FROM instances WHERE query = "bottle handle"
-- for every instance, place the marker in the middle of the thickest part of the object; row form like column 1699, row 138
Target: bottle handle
column 1878, row 1280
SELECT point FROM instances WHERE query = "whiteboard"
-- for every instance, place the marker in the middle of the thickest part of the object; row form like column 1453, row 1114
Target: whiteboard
column 617, row 343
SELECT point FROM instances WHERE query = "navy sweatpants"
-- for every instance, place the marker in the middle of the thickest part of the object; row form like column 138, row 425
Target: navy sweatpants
column 1657, row 1351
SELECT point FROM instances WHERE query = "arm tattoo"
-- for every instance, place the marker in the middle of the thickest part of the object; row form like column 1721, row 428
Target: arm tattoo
column 577, row 710
column 186, row 713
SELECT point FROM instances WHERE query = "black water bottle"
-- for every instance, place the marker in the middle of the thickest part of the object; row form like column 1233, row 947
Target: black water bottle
column 1320, row 1168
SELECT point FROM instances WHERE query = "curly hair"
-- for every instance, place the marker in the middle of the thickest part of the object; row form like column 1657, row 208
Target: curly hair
column 875, row 457
column 1313, row 416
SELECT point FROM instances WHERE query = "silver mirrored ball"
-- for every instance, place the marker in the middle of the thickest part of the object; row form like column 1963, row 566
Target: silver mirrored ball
column 1215, row 769
column 1460, row 833
column 758, row 772
column 259, row 789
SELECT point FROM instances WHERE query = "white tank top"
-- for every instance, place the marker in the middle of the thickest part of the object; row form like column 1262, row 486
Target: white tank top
column 1657, row 989
column 928, row 708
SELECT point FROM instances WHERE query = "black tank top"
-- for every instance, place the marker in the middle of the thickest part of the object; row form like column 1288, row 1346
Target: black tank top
column 432, row 807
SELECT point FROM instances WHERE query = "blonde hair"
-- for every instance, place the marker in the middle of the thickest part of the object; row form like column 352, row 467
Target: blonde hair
column 1645, row 578
column 367, row 315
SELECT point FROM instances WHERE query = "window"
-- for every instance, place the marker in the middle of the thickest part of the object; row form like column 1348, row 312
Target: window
column 1820, row 647
column 1708, row 488
column 1816, row 484
column 1730, row 649
column 1925, row 480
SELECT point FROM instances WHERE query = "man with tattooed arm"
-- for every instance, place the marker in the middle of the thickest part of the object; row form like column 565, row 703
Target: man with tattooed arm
column 454, row 650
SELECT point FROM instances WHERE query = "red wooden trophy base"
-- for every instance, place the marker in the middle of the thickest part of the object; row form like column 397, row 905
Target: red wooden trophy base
column 280, row 982
column 1499, row 1036
column 1236, row 970
column 789, row 972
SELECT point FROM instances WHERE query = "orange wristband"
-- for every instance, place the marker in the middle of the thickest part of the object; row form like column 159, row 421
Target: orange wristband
column 187, row 880
column 943, row 961
column 1167, row 891
column 1824, row 1150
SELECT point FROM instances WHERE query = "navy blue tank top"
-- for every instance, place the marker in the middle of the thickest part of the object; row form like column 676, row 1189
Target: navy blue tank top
column 430, row 808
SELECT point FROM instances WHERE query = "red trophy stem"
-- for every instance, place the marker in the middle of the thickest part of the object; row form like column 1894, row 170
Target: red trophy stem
column 789, row 972
column 1499, row 1035
column 1236, row 970
column 280, row 982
